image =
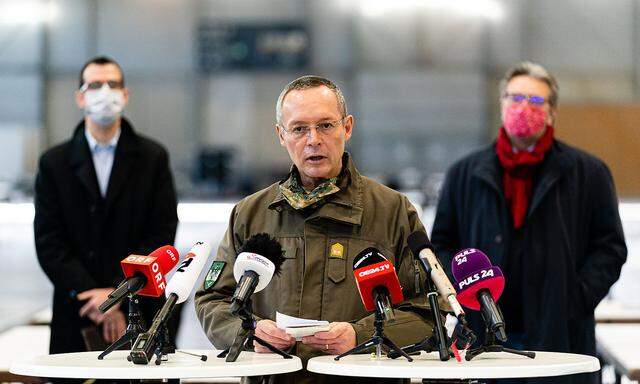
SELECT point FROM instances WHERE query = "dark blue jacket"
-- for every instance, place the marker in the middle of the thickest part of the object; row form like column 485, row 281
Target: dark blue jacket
column 572, row 248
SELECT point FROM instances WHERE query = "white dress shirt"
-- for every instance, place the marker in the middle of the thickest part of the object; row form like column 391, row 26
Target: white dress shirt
column 103, row 155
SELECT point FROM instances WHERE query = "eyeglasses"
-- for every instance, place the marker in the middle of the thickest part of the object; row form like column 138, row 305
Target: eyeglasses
column 324, row 128
column 520, row 97
column 95, row 85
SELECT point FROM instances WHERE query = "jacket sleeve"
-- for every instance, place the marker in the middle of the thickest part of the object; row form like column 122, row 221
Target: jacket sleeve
column 161, row 224
column 212, row 304
column 444, row 235
column 606, row 251
column 56, row 258
column 413, row 316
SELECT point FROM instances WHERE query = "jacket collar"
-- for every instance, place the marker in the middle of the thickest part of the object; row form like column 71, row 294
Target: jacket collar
column 82, row 162
column 556, row 163
column 343, row 206
column 488, row 169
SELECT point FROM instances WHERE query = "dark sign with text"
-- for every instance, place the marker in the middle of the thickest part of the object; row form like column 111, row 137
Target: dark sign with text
column 279, row 46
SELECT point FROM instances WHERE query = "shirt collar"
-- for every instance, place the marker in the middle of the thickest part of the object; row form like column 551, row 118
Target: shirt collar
column 349, row 182
column 528, row 149
column 95, row 146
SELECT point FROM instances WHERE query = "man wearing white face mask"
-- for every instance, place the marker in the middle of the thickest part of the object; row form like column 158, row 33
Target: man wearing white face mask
column 104, row 194
column 103, row 105
column 546, row 213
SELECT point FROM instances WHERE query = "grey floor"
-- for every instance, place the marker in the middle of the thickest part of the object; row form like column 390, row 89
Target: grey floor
column 24, row 289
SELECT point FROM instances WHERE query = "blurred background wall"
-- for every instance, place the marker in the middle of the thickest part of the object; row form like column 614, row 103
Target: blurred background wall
column 421, row 78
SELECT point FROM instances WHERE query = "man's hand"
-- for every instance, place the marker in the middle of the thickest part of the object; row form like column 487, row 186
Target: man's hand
column 94, row 298
column 113, row 326
column 269, row 332
column 340, row 338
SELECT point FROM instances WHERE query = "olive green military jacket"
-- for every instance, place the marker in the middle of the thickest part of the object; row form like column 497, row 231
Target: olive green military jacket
column 316, row 281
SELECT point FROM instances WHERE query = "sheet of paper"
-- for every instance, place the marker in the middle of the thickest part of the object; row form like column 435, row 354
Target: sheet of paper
column 285, row 321
column 300, row 332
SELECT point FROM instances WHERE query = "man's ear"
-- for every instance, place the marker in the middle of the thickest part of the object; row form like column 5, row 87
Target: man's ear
column 79, row 96
column 125, row 92
column 551, row 118
column 349, row 122
column 280, row 134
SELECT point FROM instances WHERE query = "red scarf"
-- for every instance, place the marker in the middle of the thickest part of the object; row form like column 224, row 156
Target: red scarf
column 518, row 171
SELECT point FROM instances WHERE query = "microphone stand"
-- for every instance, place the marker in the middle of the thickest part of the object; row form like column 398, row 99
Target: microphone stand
column 491, row 346
column 378, row 339
column 164, row 347
column 156, row 340
column 134, row 328
column 439, row 340
column 246, row 336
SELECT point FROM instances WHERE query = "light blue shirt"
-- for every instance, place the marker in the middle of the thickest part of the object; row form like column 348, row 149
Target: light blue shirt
column 103, row 155
column 529, row 148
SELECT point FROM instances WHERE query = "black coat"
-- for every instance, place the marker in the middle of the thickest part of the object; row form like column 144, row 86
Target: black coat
column 572, row 242
column 81, row 236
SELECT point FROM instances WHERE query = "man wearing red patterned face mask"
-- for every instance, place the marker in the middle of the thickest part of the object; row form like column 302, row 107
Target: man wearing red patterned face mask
column 546, row 213
column 527, row 110
column 525, row 136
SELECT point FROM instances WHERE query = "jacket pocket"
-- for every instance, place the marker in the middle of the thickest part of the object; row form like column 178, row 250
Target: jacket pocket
column 341, row 300
column 285, row 293
column 290, row 252
column 337, row 252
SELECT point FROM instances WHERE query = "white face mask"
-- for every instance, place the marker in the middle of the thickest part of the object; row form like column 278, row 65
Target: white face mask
column 104, row 105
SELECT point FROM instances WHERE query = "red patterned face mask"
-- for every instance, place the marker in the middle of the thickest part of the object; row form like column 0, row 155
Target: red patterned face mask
column 524, row 120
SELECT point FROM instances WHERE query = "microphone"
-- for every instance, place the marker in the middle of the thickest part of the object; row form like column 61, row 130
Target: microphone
column 144, row 275
column 377, row 282
column 178, row 290
column 479, row 286
column 259, row 259
column 422, row 250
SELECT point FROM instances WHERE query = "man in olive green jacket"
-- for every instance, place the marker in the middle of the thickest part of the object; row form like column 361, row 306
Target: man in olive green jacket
column 323, row 215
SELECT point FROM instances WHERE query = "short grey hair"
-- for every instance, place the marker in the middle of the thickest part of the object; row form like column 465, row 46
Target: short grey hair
column 307, row 82
column 537, row 71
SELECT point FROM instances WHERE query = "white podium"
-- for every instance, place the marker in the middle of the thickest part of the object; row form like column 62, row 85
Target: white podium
column 179, row 366
column 429, row 366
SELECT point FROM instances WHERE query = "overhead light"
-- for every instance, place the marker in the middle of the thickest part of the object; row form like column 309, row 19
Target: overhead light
column 487, row 9
column 491, row 10
column 27, row 12
column 380, row 8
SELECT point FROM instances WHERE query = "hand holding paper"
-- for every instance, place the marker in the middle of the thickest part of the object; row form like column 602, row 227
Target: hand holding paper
column 298, row 327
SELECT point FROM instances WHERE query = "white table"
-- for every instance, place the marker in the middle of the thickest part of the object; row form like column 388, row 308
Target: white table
column 42, row 317
column 21, row 343
column 485, row 366
column 116, row 366
column 618, row 345
column 612, row 311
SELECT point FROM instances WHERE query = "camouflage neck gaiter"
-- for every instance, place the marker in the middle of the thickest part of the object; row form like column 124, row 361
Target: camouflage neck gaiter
column 299, row 198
